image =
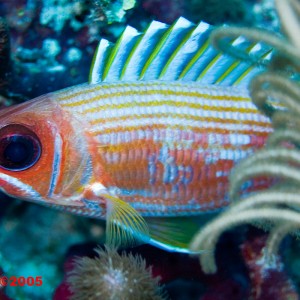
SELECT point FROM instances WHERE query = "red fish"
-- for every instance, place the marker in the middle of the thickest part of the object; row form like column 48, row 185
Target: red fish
column 154, row 133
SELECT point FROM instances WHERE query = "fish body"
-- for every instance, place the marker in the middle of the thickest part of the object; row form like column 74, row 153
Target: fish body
column 166, row 148
column 133, row 144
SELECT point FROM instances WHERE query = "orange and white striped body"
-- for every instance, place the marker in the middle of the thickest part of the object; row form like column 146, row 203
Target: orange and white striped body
column 167, row 148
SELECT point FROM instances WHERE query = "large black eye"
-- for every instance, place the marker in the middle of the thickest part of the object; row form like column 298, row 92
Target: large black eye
column 20, row 147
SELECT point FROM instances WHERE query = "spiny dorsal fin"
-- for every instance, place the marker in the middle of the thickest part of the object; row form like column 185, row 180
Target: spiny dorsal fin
column 181, row 51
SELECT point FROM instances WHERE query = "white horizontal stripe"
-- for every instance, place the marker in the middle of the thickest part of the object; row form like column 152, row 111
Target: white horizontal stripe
column 87, row 91
column 239, row 139
column 170, row 133
column 135, row 99
column 179, row 122
column 159, row 135
column 173, row 134
column 215, row 155
column 107, row 114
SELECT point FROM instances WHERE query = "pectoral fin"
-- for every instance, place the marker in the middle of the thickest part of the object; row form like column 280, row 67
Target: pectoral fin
column 125, row 226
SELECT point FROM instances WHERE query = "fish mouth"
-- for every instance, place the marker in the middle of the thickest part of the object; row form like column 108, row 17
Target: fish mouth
column 13, row 187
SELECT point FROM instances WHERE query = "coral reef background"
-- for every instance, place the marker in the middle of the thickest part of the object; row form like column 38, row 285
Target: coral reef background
column 46, row 45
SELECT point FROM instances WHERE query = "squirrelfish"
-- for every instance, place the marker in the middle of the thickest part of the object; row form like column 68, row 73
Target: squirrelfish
column 147, row 143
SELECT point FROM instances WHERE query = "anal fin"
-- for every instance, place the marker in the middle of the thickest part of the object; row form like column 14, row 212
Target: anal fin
column 174, row 233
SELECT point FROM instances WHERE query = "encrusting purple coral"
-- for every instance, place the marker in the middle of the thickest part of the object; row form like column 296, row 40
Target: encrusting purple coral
column 268, row 278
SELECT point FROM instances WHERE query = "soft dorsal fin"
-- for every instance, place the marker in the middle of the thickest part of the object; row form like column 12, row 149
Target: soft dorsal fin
column 181, row 51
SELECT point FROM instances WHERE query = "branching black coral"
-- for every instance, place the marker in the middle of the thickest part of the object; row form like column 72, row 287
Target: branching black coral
column 276, row 94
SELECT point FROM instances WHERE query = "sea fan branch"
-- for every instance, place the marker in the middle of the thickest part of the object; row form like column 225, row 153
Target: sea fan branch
column 276, row 95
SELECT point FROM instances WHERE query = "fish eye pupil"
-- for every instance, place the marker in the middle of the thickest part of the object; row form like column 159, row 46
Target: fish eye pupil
column 17, row 151
column 20, row 148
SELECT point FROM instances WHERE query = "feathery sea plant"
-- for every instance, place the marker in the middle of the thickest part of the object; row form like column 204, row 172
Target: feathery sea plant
column 277, row 94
